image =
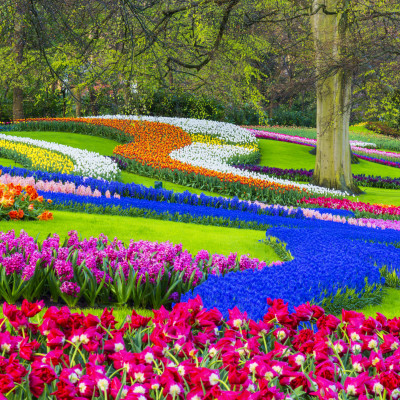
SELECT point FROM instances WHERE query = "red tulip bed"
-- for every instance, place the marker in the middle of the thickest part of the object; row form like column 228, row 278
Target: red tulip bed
column 194, row 353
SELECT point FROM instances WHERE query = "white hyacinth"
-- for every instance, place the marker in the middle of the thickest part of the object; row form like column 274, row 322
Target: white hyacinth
column 215, row 157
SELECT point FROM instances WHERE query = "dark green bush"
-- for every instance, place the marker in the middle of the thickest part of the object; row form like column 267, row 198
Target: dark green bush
column 293, row 116
column 383, row 129
column 168, row 103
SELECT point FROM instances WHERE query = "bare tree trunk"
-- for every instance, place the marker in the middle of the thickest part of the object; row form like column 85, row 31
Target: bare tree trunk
column 18, row 93
column 333, row 159
column 93, row 103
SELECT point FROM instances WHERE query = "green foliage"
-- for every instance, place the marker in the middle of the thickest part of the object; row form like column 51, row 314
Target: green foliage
column 383, row 129
column 349, row 299
column 279, row 248
column 294, row 116
column 74, row 127
column 177, row 103
column 391, row 278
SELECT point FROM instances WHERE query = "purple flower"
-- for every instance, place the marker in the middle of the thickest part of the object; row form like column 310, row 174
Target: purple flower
column 70, row 289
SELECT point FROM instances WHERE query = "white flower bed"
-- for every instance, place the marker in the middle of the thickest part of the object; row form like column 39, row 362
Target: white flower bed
column 221, row 130
column 86, row 163
column 367, row 145
column 214, row 157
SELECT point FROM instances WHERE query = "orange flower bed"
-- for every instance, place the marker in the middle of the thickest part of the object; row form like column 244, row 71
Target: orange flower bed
column 154, row 141
column 18, row 202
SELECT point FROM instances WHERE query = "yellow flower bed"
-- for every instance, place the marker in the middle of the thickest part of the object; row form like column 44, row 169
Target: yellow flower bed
column 40, row 158
column 212, row 140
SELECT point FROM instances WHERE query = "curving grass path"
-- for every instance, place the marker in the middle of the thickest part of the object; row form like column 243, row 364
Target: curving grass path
column 99, row 145
column 390, row 306
column 357, row 132
column 290, row 155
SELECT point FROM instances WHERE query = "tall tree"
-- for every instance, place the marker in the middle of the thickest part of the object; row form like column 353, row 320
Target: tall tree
column 19, row 45
column 333, row 160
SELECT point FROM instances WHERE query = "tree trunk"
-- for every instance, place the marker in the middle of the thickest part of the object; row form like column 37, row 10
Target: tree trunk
column 18, row 103
column 78, row 102
column 18, row 93
column 93, row 101
column 333, row 160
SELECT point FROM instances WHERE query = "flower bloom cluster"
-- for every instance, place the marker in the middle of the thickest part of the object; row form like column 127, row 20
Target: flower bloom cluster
column 213, row 140
column 375, row 223
column 345, row 204
column 57, row 187
column 320, row 272
column 86, row 163
column 221, row 130
column 150, row 148
column 197, row 354
column 387, row 155
column 97, row 188
column 149, row 262
column 19, row 202
column 395, row 164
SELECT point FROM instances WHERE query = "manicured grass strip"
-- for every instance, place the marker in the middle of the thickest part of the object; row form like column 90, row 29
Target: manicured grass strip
column 193, row 237
column 356, row 133
column 9, row 163
column 290, row 155
column 99, row 145
column 390, row 305
column 378, row 196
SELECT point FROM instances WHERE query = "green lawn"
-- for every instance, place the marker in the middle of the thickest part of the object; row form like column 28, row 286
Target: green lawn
column 356, row 133
column 84, row 142
column 193, row 237
column 290, row 155
column 390, row 306
column 378, row 196
column 9, row 163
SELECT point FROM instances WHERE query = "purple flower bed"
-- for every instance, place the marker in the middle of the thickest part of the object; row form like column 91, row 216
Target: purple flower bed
column 95, row 271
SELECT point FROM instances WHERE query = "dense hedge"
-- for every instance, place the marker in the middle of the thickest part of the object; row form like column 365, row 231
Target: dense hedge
column 74, row 127
column 383, row 129
column 169, row 103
